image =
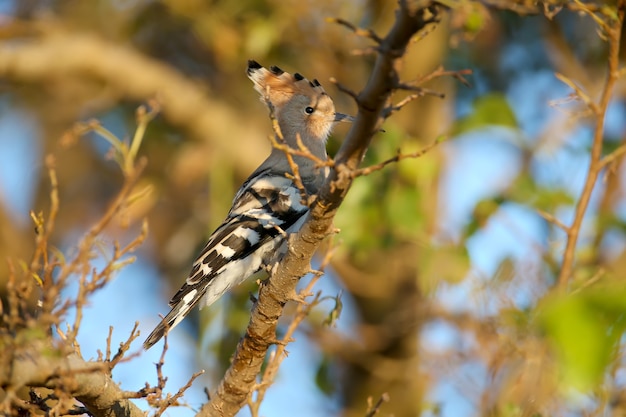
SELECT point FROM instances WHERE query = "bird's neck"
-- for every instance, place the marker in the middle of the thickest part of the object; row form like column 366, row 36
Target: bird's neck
column 311, row 174
column 296, row 138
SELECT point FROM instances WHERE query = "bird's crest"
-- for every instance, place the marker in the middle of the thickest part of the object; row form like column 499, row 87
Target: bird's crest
column 302, row 107
column 280, row 86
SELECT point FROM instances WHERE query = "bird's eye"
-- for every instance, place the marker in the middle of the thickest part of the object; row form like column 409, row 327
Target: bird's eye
column 309, row 110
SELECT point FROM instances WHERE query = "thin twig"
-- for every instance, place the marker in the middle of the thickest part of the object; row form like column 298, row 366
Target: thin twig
column 396, row 107
column 442, row 72
column 370, row 50
column 613, row 30
column 124, row 347
column 399, row 157
column 278, row 142
column 109, row 338
column 595, row 278
column 610, row 158
column 550, row 218
column 345, row 89
column 421, row 91
column 365, row 33
column 304, row 152
column 580, row 93
column 144, row 117
column 173, row 400
column 372, row 410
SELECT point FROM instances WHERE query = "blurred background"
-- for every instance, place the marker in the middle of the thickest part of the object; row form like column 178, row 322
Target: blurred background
column 446, row 269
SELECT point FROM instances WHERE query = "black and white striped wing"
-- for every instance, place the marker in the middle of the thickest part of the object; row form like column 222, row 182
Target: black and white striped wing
column 265, row 209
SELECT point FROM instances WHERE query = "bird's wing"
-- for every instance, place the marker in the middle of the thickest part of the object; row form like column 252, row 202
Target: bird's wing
column 265, row 207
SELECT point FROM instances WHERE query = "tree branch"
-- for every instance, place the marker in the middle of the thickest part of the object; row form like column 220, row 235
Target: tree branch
column 88, row 382
column 613, row 29
column 240, row 378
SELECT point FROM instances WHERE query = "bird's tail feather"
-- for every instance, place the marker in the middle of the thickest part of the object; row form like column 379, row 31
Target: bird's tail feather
column 171, row 320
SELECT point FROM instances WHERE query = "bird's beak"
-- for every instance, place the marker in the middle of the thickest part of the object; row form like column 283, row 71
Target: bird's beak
column 340, row 117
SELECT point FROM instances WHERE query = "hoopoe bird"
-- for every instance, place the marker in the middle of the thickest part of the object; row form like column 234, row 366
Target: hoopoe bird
column 269, row 205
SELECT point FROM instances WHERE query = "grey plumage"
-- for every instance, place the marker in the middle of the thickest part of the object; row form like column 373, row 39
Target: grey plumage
column 268, row 206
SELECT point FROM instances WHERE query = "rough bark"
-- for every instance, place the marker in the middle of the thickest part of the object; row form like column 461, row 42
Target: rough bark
column 37, row 365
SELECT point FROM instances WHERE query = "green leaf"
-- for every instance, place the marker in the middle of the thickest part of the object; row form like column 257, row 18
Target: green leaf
column 585, row 329
column 358, row 215
column 483, row 211
column 323, row 377
column 506, row 271
column 402, row 211
column 526, row 191
column 335, row 313
column 475, row 21
column 422, row 170
column 489, row 110
column 442, row 263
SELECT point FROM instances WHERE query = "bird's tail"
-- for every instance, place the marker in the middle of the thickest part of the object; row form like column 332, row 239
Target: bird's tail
column 171, row 320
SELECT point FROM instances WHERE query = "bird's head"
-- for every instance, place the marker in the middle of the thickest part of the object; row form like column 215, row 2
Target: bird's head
column 300, row 106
